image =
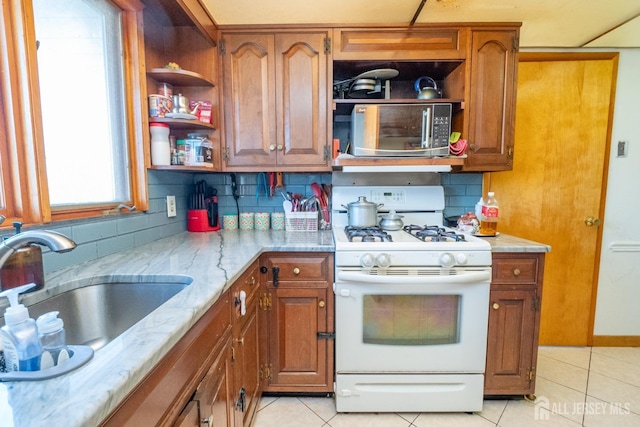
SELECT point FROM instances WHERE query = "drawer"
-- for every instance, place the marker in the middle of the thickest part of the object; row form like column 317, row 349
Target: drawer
column 307, row 268
column 516, row 269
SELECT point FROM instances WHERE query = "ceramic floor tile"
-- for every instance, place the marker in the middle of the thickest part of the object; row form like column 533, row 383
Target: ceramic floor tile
column 614, row 391
column 266, row 401
column 324, row 407
column 626, row 354
column 562, row 373
column 615, row 368
column 522, row 413
column 367, row 420
column 601, row 414
column 576, row 356
column 451, row 420
column 492, row 409
column 287, row 412
column 563, row 399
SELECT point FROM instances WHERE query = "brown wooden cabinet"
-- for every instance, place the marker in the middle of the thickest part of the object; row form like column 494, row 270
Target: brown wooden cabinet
column 514, row 321
column 475, row 66
column 172, row 35
column 197, row 363
column 298, row 302
column 492, row 99
column 275, row 91
column 245, row 352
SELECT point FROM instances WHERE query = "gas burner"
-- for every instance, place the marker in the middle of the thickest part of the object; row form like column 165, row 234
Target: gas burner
column 433, row 233
column 367, row 234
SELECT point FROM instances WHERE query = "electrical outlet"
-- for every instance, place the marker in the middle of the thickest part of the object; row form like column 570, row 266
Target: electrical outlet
column 171, row 206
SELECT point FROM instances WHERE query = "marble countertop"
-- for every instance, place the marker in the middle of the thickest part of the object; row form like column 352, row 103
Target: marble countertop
column 213, row 261
column 87, row 395
column 508, row 243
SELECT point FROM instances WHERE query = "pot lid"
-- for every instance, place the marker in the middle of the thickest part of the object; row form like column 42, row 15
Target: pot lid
column 391, row 215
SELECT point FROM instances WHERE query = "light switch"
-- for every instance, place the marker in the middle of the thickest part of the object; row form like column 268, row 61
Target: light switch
column 622, row 148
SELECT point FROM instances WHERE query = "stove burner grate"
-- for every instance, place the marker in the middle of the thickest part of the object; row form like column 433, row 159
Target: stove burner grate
column 367, row 234
column 433, row 233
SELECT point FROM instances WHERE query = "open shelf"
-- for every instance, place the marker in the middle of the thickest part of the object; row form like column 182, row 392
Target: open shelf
column 179, row 77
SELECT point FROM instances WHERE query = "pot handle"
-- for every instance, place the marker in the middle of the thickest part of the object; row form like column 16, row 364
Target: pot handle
column 432, row 82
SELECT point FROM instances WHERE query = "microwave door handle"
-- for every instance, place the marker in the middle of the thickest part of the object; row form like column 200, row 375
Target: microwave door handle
column 426, row 127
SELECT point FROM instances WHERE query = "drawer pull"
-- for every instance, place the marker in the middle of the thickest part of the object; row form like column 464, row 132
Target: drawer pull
column 240, row 341
column 296, row 271
column 321, row 304
column 516, row 271
column 496, row 306
column 208, row 421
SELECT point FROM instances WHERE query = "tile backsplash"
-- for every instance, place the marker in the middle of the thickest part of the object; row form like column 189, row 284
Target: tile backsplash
column 98, row 237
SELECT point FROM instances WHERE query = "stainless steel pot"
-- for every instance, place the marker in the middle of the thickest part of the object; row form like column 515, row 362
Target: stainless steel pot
column 362, row 213
column 391, row 221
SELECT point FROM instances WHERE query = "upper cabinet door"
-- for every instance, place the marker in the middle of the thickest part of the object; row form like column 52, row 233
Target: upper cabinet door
column 276, row 100
column 249, row 99
column 494, row 61
column 302, row 93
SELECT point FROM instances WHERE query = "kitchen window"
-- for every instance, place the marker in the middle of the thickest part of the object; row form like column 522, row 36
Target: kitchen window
column 70, row 99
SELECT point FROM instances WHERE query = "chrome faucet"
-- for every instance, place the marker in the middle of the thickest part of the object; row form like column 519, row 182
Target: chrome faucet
column 57, row 242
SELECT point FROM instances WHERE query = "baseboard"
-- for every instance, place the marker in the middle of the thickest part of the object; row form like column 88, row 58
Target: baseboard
column 616, row 341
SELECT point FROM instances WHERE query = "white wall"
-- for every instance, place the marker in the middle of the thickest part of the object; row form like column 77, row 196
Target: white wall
column 618, row 299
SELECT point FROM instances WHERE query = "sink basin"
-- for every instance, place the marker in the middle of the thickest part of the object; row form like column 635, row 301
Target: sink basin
column 97, row 313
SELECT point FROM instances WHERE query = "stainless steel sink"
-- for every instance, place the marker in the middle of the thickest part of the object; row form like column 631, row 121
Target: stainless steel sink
column 96, row 314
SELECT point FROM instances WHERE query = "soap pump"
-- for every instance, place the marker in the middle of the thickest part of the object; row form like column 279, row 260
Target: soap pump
column 20, row 340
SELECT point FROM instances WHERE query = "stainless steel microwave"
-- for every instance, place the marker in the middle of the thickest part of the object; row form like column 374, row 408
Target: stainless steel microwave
column 401, row 130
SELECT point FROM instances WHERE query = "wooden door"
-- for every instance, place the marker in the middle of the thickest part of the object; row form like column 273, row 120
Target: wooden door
column 301, row 99
column 249, row 101
column 563, row 126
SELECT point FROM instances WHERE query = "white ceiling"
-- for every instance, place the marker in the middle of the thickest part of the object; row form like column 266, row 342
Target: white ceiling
column 546, row 23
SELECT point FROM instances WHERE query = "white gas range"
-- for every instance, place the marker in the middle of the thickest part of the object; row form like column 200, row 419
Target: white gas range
column 411, row 314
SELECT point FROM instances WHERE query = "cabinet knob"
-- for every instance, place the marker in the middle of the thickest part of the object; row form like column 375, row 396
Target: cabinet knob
column 321, row 304
column 280, row 147
column 516, row 271
column 272, row 147
column 208, row 421
column 496, row 306
column 240, row 340
column 296, row 271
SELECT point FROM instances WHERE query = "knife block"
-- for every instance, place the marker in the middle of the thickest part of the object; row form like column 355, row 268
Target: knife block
column 198, row 221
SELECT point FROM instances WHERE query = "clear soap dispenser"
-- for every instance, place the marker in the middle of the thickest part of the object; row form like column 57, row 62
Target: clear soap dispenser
column 52, row 339
column 20, row 341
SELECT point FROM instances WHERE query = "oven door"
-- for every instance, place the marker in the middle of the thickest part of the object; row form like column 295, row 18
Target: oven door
column 408, row 320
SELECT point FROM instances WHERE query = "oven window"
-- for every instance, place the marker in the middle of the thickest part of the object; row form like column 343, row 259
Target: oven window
column 411, row 319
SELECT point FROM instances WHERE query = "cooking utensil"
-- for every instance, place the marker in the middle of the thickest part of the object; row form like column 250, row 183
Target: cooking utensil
column 362, row 213
column 391, row 221
column 322, row 199
column 279, row 181
column 426, row 92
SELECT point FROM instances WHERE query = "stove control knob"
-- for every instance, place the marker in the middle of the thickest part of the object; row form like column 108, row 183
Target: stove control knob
column 367, row 260
column 383, row 260
column 461, row 258
column 447, row 260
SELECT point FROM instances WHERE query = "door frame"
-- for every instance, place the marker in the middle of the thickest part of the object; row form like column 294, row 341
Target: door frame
column 486, row 182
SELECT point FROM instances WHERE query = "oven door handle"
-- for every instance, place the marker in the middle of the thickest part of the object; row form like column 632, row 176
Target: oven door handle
column 356, row 276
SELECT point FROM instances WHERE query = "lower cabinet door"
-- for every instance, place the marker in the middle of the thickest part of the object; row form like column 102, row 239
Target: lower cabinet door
column 511, row 345
column 246, row 367
column 214, row 391
column 300, row 339
column 190, row 416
